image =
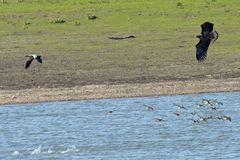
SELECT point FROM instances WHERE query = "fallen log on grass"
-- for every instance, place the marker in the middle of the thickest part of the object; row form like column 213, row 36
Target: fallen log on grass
column 120, row 38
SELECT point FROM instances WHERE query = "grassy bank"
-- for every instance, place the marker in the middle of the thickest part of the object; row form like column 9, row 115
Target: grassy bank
column 76, row 51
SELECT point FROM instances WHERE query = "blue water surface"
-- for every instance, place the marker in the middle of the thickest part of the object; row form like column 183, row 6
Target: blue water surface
column 164, row 127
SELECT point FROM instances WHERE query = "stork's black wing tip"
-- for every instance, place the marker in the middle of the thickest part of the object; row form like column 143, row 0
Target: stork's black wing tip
column 201, row 50
column 39, row 59
column 28, row 63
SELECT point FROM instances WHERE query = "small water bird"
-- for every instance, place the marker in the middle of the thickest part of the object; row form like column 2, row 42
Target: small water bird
column 147, row 107
column 179, row 106
column 31, row 58
column 207, row 102
column 159, row 119
column 199, row 105
column 214, row 108
column 109, row 112
column 205, row 118
column 225, row 118
column 207, row 36
column 193, row 113
column 195, row 121
column 177, row 113
column 215, row 102
column 219, row 103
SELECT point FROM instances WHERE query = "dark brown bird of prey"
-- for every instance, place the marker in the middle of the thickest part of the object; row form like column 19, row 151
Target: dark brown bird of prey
column 31, row 58
column 207, row 36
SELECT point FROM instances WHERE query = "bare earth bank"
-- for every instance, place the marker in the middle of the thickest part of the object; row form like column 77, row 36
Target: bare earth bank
column 119, row 90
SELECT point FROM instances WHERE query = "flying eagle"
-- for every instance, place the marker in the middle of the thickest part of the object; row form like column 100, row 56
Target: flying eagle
column 31, row 58
column 207, row 36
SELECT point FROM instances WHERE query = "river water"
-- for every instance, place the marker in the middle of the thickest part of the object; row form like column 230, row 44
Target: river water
column 166, row 127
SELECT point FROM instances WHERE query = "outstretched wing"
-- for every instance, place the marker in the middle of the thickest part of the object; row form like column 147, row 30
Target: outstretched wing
column 28, row 63
column 39, row 59
column 207, row 27
column 201, row 50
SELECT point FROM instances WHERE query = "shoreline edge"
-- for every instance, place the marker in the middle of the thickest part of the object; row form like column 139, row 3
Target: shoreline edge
column 35, row 95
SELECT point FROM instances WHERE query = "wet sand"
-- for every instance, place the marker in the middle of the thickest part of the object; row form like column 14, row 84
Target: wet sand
column 118, row 91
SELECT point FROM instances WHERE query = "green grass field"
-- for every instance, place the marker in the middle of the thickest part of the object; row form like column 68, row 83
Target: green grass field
column 78, row 51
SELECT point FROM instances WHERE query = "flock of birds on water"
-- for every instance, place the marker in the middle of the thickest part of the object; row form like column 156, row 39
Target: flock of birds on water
column 206, row 37
column 201, row 111
column 206, row 104
column 204, row 111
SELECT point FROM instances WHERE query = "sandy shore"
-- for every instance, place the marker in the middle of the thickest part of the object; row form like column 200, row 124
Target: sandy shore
column 120, row 90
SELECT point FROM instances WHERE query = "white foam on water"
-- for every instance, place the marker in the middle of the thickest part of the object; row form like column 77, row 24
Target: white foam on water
column 15, row 153
column 49, row 150
column 70, row 149
column 37, row 150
